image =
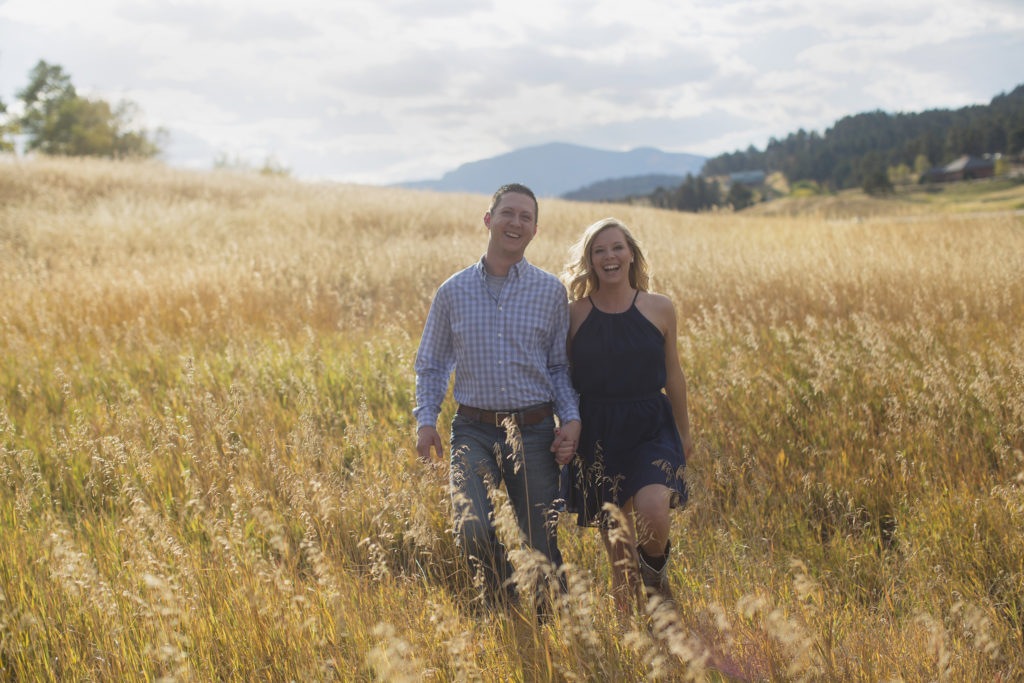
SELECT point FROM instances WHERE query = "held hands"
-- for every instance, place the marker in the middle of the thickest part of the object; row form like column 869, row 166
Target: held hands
column 566, row 439
column 563, row 446
column 427, row 438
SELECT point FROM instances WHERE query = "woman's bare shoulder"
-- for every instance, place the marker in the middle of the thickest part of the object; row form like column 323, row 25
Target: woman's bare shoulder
column 578, row 312
column 657, row 308
column 655, row 303
column 580, row 306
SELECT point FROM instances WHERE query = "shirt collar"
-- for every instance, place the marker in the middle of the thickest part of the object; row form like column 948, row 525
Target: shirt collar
column 515, row 271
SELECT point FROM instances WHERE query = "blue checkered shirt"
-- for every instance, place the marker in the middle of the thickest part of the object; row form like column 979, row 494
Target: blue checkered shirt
column 508, row 353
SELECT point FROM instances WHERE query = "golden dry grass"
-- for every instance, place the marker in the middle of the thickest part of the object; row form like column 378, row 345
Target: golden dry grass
column 205, row 468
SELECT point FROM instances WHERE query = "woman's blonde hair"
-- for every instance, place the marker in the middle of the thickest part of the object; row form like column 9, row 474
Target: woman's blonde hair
column 579, row 276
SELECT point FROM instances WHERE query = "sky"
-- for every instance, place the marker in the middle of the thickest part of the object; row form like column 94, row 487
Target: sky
column 384, row 91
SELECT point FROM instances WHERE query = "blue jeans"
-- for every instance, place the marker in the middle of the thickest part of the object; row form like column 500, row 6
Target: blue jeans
column 532, row 488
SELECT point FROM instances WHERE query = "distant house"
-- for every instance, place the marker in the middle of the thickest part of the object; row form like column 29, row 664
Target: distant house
column 964, row 168
column 747, row 177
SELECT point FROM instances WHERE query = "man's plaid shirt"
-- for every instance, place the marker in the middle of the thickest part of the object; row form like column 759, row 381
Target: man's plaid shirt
column 508, row 353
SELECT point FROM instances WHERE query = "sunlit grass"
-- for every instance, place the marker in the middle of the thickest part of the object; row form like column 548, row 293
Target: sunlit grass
column 205, row 433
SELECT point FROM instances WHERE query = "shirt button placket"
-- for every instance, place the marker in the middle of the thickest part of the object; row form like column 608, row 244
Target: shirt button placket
column 501, row 349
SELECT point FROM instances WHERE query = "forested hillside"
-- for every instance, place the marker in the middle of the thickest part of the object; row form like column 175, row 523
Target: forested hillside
column 860, row 145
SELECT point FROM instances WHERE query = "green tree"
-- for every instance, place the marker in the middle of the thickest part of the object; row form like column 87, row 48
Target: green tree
column 899, row 174
column 877, row 183
column 59, row 121
column 740, row 196
column 8, row 127
column 48, row 89
column 1017, row 141
column 921, row 164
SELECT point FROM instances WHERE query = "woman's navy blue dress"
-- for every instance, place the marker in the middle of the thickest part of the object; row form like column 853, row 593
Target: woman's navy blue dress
column 629, row 437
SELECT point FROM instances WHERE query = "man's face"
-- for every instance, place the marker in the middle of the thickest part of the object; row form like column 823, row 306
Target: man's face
column 513, row 223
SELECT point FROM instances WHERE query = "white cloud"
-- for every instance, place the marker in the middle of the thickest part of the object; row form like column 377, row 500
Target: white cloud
column 387, row 90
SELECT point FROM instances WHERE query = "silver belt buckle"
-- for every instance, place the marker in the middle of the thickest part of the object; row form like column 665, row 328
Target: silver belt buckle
column 500, row 418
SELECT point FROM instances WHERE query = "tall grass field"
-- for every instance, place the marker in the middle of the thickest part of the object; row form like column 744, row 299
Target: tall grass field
column 207, row 468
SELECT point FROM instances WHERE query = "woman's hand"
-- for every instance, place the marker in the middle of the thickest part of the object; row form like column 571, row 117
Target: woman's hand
column 566, row 440
column 687, row 446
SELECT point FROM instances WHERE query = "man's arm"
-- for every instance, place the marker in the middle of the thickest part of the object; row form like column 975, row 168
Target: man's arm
column 435, row 360
column 566, row 401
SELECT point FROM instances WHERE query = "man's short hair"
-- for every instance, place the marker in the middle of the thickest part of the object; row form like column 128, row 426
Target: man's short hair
column 518, row 189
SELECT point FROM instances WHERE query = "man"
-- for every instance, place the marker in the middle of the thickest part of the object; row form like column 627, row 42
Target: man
column 502, row 325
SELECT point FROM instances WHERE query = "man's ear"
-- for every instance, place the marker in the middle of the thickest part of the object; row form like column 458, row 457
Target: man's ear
column 487, row 219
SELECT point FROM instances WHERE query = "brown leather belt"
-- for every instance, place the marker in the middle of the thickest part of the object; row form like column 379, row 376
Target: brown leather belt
column 497, row 417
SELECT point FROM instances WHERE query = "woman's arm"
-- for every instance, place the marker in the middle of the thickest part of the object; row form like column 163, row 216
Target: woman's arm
column 675, row 380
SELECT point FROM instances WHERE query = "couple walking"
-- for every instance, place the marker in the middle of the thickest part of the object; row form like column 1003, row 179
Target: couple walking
column 521, row 354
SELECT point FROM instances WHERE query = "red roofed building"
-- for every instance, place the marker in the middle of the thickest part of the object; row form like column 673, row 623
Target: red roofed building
column 964, row 168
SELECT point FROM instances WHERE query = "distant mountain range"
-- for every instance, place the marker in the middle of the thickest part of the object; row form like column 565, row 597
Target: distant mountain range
column 558, row 168
column 617, row 189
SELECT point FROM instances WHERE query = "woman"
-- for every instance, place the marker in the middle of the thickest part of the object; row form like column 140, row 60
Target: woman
column 622, row 345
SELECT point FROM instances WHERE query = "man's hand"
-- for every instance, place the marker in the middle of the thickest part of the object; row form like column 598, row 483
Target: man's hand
column 566, row 440
column 427, row 438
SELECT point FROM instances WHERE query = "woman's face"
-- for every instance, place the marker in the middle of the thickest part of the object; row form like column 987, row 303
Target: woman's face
column 610, row 256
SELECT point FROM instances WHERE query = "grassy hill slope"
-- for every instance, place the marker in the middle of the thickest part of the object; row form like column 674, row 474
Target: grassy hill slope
column 205, row 470
column 977, row 196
